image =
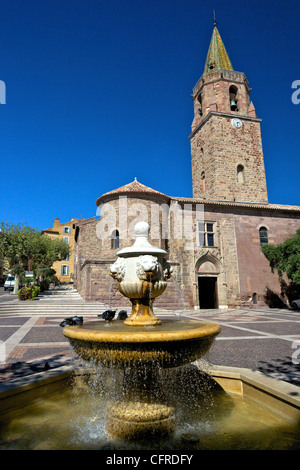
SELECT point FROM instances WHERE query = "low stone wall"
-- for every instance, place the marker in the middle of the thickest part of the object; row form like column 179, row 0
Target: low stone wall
column 95, row 284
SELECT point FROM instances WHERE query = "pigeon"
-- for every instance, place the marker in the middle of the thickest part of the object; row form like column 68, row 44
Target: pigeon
column 122, row 315
column 75, row 320
column 72, row 321
column 108, row 315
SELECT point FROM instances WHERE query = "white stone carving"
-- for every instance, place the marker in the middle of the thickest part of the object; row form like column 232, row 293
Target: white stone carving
column 118, row 269
column 147, row 267
column 167, row 270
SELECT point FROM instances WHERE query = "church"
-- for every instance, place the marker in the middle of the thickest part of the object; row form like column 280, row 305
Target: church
column 213, row 240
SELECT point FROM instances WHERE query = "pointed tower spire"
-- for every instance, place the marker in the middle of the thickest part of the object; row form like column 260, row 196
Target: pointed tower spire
column 227, row 157
column 217, row 57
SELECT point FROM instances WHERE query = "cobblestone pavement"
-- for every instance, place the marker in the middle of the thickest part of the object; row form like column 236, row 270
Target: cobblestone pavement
column 266, row 340
column 261, row 339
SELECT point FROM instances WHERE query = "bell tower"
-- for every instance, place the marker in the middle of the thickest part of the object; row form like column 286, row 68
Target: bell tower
column 226, row 147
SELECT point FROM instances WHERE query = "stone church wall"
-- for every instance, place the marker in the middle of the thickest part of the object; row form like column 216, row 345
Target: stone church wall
column 254, row 271
column 235, row 259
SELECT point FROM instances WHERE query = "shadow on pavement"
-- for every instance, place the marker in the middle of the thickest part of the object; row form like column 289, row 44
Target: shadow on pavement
column 282, row 369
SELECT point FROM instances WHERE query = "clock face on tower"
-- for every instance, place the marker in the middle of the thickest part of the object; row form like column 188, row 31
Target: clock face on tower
column 236, row 123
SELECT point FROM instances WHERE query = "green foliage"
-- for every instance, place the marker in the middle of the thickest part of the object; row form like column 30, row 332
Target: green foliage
column 44, row 285
column 285, row 258
column 25, row 248
column 49, row 251
column 28, row 293
column 47, row 275
column 35, row 290
column 17, row 245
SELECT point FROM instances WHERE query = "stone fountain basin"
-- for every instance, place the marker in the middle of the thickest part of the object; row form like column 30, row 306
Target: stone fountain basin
column 173, row 343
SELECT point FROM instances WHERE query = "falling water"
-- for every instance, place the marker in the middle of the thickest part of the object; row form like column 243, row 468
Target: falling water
column 179, row 297
column 150, row 290
column 207, row 417
column 110, row 290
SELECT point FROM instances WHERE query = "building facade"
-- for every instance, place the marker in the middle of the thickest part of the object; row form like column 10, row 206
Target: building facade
column 65, row 268
column 214, row 239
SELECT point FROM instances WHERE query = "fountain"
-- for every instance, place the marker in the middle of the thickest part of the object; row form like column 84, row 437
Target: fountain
column 142, row 344
column 144, row 393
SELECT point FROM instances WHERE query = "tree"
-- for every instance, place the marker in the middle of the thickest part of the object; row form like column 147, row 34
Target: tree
column 26, row 249
column 285, row 259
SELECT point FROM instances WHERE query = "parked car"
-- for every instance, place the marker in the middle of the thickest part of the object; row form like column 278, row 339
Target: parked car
column 9, row 283
column 295, row 304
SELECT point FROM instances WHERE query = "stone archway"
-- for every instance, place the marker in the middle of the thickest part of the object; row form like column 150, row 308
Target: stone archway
column 211, row 289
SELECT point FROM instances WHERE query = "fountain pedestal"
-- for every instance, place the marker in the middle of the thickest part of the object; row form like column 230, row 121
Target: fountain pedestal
column 139, row 420
column 142, row 413
column 142, row 313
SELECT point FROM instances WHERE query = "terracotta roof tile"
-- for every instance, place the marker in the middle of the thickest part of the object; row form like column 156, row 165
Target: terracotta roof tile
column 130, row 188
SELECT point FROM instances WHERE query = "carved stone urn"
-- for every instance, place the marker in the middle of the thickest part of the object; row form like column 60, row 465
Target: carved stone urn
column 142, row 272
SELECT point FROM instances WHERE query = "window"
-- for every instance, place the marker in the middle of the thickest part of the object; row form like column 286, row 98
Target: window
column 67, row 258
column 64, row 271
column 67, row 230
column 115, row 240
column 202, row 181
column 200, row 105
column 66, row 240
column 240, row 174
column 233, row 98
column 206, row 234
column 263, row 236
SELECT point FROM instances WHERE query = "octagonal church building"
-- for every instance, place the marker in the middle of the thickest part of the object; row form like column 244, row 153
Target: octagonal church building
column 213, row 240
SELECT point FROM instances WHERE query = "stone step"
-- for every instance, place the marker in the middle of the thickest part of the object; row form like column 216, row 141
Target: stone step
column 56, row 312
column 60, row 301
column 66, row 310
column 52, row 306
column 59, row 294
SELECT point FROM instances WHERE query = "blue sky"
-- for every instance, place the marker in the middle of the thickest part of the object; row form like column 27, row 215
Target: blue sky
column 98, row 93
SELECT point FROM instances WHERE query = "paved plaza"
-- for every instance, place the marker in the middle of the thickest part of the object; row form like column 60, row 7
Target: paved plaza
column 267, row 340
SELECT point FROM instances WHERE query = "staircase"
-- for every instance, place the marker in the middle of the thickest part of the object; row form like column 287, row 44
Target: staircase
column 59, row 301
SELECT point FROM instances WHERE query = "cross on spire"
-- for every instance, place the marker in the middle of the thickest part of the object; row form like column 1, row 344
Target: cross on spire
column 215, row 23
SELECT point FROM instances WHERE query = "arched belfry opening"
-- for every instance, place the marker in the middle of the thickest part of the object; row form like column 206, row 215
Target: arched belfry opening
column 233, row 97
